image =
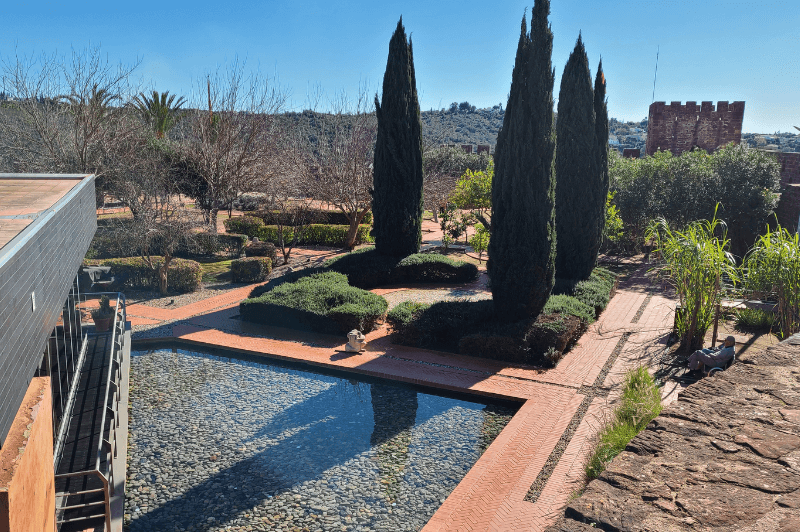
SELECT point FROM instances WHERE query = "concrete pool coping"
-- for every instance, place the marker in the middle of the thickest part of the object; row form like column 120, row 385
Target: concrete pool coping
column 570, row 400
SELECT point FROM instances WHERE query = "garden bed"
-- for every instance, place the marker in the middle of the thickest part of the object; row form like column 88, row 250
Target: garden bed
column 471, row 328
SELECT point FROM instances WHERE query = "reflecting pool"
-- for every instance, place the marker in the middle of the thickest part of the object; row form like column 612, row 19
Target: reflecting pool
column 219, row 443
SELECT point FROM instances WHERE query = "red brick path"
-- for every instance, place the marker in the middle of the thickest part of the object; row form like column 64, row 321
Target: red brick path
column 491, row 495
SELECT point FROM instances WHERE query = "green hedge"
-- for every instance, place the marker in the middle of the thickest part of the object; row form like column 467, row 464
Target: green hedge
column 262, row 249
column 131, row 272
column 595, row 291
column 315, row 234
column 321, row 216
column 245, row 225
column 366, row 268
column 210, row 244
column 322, row 302
column 251, row 269
column 471, row 327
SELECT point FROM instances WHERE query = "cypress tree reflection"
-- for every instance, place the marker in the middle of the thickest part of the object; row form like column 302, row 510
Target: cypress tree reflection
column 394, row 410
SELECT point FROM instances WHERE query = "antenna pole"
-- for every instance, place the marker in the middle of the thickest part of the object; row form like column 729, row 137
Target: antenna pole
column 656, row 74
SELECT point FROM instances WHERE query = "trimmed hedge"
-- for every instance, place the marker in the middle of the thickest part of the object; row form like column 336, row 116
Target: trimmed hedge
column 131, row 272
column 322, row 302
column 245, row 225
column 251, row 269
column 366, row 268
column 322, row 216
column 262, row 249
column 315, row 234
column 211, row 244
column 472, row 327
column 595, row 291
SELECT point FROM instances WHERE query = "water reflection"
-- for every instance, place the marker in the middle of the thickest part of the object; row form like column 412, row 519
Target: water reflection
column 394, row 411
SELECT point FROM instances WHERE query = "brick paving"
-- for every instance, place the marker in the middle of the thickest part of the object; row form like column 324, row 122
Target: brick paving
column 492, row 495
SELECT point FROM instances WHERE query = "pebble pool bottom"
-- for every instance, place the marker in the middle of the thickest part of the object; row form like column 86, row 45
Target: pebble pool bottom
column 221, row 443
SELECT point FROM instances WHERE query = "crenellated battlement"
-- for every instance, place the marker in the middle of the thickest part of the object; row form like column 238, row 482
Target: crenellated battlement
column 681, row 127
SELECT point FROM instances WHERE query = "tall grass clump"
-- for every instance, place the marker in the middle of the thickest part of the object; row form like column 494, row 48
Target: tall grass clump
column 749, row 319
column 640, row 404
column 772, row 267
column 695, row 260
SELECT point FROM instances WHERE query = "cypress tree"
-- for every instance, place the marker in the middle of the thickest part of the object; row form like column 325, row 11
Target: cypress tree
column 397, row 172
column 577, row 182
column 601, row 139
column 523, row 244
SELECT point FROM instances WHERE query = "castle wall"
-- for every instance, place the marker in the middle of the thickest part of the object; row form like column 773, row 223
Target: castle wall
column 678, row 128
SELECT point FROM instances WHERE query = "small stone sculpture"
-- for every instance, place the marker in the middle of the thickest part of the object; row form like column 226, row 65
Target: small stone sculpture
column 356, row 342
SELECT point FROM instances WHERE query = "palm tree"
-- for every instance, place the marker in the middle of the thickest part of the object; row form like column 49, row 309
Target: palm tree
column 159, row 111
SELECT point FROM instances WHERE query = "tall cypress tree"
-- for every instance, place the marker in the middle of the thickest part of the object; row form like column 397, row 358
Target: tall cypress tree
column 397, row 172
column 523, row 245
column 578, row 186
column 601, row 140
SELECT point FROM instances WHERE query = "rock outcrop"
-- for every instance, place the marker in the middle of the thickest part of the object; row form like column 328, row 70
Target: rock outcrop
column 725, row 456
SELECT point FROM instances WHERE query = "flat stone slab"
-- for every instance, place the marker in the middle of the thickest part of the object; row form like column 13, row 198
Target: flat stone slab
column 724, row 456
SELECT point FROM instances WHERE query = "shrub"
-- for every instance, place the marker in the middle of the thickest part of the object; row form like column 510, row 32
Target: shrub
column 210, row 244
column 754, row 319
column 287, row 277
column 441, row 324
column 251, row 269
column 367, row 268
column 773, row 267
column 433, row 268
column 132, row 272
column 403, row 313
column 315, row 234
column 245, row 225
column 695, row 260
column 322, row 216
column 640, row 404
column 594, row 291
column 562, row 304
column 323, row 302
column 551, row 336
column 262, row 249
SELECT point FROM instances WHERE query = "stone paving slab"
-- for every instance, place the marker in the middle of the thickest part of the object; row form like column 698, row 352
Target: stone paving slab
column 492, row 494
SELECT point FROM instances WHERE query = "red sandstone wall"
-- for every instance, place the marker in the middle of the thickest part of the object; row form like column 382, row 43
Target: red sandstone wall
column 679, row 128
column 27, row 486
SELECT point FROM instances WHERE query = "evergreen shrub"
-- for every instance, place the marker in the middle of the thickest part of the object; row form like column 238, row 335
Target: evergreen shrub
column 183, row 275
column 262, row 249
column 251, row 269
column 322, row 302
column 367, row 268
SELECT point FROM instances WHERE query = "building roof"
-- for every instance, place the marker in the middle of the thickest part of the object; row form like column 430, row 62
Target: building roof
column 26, row 197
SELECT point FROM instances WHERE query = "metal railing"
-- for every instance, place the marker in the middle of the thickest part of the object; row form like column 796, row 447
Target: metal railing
column 75, row 500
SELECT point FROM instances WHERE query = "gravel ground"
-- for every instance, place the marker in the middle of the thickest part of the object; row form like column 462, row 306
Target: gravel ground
column 422, row 295
column 155, row 299
column 226, row 444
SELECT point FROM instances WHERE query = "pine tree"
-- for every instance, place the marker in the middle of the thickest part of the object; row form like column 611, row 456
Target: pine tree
column 578, row 184
column 601, row 140
column 397, row 172
column 523, row 244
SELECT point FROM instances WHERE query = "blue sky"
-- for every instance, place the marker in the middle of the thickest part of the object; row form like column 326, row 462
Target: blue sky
column 463, row 51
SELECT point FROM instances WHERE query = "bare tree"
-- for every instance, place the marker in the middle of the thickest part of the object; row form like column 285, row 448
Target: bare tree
column 291, row 205
column 66, row 116
column 339, row 157
column 162, row 222
column 229, row 145
column 442, row 166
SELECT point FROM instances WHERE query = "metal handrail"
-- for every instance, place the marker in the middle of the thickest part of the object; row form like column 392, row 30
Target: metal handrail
column 110, row 414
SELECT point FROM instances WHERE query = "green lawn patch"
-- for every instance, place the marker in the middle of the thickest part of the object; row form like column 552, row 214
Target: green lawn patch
column 215, row 270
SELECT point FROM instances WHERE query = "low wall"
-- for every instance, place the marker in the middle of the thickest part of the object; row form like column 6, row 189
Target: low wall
column 27, row 486
column 724, row 456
